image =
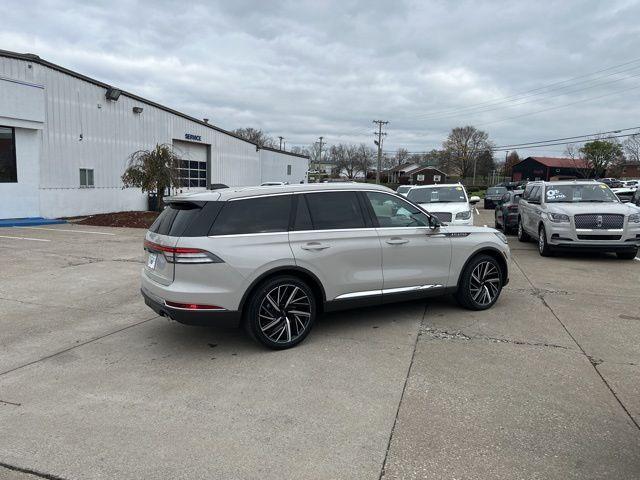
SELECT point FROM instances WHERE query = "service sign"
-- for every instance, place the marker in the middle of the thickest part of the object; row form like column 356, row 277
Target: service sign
column 191, row 136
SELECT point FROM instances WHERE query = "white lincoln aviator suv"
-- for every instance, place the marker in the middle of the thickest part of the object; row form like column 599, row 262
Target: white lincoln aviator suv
column 274, row 258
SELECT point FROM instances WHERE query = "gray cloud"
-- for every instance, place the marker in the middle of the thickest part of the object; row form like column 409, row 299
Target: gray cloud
column 304, row 69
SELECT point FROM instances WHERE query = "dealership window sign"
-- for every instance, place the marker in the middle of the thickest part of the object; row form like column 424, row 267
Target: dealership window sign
column 191, row 136
column 437, row 178
column 420, row 178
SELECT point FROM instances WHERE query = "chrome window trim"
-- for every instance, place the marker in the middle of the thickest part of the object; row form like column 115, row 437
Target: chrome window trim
column 257, row 234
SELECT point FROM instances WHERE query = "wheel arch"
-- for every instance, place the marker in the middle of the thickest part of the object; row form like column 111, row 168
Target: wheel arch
column 303, row 274
column 492, row 252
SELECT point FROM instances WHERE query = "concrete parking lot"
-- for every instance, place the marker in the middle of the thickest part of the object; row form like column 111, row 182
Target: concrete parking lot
column 93, row 385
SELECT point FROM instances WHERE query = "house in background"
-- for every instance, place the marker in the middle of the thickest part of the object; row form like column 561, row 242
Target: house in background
column 427, row 176
column 626, row 171
column 402, row 173
column 551, row 168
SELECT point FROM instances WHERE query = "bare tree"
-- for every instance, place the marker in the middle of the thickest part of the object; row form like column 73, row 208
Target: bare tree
column 510, row 161
column 402, row 155
column 351, row 160
column 572, row 151
column 464, row 146
column 632, row 148
column 365, row 156
column 255, row 136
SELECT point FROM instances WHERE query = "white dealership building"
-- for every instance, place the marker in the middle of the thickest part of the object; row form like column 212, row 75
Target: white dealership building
column 65, row 140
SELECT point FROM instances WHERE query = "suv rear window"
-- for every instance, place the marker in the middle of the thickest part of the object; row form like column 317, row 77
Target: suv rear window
column 189, row 219
column 254, row 215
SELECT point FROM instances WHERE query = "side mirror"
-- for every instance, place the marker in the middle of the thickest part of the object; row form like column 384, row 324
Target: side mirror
column 434, row 222
column 473, row 200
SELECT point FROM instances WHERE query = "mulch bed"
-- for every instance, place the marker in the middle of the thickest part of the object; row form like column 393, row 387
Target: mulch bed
column 117, row 219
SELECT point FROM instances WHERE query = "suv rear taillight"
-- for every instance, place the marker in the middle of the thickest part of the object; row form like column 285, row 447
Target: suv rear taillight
column 182, row 254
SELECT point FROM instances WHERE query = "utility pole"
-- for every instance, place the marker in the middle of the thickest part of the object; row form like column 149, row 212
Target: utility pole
column 281, row 138
column 378, row 142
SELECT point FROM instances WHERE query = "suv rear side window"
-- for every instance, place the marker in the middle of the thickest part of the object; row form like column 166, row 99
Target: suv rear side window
column 335, row 210
column 254, row 215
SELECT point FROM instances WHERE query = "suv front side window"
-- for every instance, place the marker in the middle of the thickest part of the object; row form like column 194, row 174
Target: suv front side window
column 391, row 211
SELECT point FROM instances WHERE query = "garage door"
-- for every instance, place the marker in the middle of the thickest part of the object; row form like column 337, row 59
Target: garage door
column 193, row 164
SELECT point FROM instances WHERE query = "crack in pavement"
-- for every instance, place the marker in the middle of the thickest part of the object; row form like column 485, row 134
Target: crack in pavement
column 594, row 362
column 29, row 471
column 78, row 345
column 65, row 307
column 458, row 335
column 404, row 388
column 6, row 402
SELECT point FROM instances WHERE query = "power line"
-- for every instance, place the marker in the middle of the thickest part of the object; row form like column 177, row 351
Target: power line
column 560, row 106
column 545, row 96
column 544, row 87
column 563, row 143
column 568, row 138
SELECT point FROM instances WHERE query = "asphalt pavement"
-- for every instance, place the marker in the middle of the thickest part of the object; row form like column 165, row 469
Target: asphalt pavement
column 93, row 385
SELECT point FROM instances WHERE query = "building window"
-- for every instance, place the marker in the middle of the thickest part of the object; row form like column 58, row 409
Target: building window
column 86, row 178
column 8, row 170
column 288, row 169
column 192, row 173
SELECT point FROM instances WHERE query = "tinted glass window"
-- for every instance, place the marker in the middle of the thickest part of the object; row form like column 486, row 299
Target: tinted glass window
column 496, row 190
column 333, row 210
column 176, row 218
column 390, row 211
column 8, row 172
column 254, row 215
column 527, row 192
column 303, row 217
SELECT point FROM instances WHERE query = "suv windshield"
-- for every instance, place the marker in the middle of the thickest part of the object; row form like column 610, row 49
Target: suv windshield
column 403, row 189
column 437, row 195
column 596, row 192
column 496, row 190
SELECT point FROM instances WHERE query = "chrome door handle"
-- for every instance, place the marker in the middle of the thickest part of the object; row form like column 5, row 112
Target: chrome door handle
column 314, row 246
column 397, row 241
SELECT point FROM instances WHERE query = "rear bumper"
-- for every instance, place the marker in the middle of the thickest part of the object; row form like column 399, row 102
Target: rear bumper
column 190, row 317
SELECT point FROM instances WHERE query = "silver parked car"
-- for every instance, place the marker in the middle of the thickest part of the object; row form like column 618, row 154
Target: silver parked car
column 578, row 215
column 276, row 257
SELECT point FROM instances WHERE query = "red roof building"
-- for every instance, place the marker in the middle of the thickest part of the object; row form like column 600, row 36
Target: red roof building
column 551, row 168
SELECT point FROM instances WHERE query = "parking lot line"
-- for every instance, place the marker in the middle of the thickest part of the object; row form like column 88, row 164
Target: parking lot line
column 26, row 238
column 68, row 230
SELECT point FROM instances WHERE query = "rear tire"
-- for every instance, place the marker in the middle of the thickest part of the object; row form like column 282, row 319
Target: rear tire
column 480, row 283
column 543, row 246
column 522, row 235
column 281, row 312
column 627, row 255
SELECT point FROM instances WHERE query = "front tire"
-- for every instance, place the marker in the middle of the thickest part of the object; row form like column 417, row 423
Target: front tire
column 480, row 283
column 627, row 255
column 281, row 312
column 543, row 246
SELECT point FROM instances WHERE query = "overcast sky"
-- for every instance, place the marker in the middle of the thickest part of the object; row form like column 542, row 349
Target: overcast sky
column 305, row 69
